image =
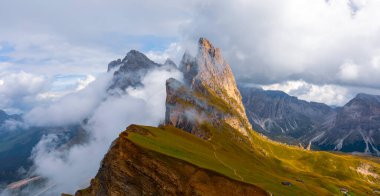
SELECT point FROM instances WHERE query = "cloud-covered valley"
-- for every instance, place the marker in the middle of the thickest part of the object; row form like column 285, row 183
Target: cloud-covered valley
column 106, row 115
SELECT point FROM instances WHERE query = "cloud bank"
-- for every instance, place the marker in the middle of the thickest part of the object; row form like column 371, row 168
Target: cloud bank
column 72, row 169
column 321, row 42
column 19, row 90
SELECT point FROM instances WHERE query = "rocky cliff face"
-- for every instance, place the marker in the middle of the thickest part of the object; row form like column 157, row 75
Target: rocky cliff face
column 128, row 169
column 356, row 127
column 206, row 76
column 130, row 70
column 280, row 116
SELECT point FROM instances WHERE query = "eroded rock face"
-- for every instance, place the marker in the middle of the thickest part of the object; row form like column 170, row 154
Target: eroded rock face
column 188, row 110
column 208, row 75
column 130, row 71
column 279, row 115
column 128, row 169
column 356, row 127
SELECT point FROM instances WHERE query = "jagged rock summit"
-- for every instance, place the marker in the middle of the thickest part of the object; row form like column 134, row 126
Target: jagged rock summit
column 207, row 75
column 210, row 70
column 132, row 61
column 134, row 66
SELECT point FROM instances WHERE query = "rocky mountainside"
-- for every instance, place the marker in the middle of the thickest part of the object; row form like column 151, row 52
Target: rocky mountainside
column 206, row 147
column 134, row 66
column 356, row 127
column 281, row 116
column 206, row 75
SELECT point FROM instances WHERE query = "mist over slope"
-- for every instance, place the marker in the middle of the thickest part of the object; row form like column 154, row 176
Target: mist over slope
column 103, row 108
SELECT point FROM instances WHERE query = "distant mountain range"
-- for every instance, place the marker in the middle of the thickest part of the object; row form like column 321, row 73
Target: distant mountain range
column 354, row 127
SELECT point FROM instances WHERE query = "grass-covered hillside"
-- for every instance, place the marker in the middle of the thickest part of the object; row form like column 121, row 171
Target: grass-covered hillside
column 265, row 163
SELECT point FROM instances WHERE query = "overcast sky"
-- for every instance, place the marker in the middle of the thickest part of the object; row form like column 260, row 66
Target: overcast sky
column 319, row 50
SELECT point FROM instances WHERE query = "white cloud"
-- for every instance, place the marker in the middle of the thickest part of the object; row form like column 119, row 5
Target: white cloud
column 53, row 37
column 265, row 41
column 12, row 124
column 51, row 54
column 275, row 41
column 72, row 169
column 83, row 83
column 17, row 90
column 174, row 52
column 329, row 94
column 349, row 71
column 21, row 84
column 71, row 108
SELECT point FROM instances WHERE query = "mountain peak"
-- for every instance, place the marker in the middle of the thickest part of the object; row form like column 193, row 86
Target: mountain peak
column 205, row 43
column 136, row 56
column 206, row 48
column 366, row 96
column 170, row 63
column 131, row 69
column 363, row 99
column 209, row 74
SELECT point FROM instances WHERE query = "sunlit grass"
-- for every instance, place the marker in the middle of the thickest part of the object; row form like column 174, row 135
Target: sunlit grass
column 263, row 162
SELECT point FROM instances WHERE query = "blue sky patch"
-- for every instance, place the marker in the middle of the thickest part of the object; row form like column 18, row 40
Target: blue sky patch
column 5, row 50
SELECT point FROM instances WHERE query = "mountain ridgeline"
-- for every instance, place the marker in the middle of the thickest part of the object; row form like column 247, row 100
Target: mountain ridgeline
column 355, row 127
column 206, row 146
column 134, row 66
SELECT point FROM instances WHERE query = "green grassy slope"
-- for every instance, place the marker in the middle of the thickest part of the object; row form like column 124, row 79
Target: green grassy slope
column 263, row 162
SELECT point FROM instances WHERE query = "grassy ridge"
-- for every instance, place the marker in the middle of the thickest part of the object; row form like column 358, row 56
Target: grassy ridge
column 263, row 162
